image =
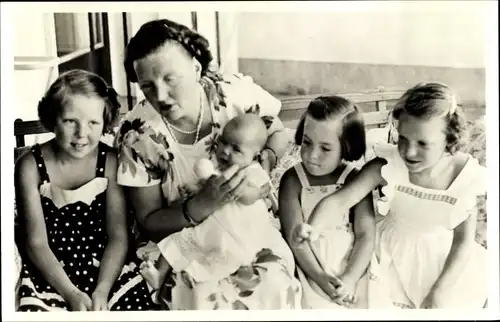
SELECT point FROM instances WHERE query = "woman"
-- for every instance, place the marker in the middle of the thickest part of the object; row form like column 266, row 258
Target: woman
column 161, row 139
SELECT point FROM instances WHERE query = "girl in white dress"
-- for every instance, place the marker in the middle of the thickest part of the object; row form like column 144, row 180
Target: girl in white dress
column 425, row 240
column 332, row 257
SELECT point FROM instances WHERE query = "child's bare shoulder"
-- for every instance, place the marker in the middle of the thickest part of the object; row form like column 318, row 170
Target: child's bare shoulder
column 111, row 161
column 26, row 167
column 290, row 180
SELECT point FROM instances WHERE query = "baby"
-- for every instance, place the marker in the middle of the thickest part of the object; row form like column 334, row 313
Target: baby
column 234, row 233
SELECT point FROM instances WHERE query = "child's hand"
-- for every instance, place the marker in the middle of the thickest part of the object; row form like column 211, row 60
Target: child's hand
column 346, row 293
column 100, row 300
column 328, row 284
column 79, row 301
column 303, row 233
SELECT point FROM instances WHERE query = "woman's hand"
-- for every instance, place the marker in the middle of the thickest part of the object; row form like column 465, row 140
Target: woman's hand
column 268, row 160
column 100, row 300
column 218, row 190
column 79, row 301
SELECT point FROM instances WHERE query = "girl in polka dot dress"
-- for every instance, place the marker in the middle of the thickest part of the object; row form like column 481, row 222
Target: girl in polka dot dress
column 74, row 238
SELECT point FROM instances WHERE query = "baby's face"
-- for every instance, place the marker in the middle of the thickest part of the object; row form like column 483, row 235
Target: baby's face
column 236, row 146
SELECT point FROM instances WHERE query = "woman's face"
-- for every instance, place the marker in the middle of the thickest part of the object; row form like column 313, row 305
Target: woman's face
column 320, row 150
column 168, row 78
column 421, row 142
column 79, row 127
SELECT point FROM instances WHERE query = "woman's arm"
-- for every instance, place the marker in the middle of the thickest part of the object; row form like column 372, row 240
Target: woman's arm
column 161, row 220
column 352, row 192
column 290, row 214
column 116, row 228
column 364, row 243
column 276, row 145
column 463, row 239
column 37, row 245
column 278, row 138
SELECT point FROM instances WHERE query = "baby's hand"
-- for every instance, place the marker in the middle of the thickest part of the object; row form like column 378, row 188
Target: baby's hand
column 304, row 232
column 151, row 274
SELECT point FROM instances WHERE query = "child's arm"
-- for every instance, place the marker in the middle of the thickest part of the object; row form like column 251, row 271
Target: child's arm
column 116, row 226
column 463, row 239
column 352, row 192
column 36, row 242
column 290, row 215
column 364, row 243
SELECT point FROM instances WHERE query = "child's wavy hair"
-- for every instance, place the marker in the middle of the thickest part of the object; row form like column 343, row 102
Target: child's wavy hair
column 352, row 137
column 77, row 82
column 433, row 99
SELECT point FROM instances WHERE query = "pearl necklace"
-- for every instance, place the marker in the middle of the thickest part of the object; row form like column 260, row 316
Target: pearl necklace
column 198, row 127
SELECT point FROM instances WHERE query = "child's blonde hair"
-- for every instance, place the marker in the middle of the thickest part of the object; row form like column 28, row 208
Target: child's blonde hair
column 432, row 99
column 77, row 82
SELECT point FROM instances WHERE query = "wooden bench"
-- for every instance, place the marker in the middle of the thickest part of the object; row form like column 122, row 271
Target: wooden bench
column 296, row 105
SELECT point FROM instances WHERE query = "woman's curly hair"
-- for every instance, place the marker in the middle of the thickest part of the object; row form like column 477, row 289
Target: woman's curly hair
column 153, row 34
column 431, row 99
column 78, row 82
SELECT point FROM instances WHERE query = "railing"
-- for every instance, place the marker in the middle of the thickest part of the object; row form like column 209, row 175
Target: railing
column 380, row 97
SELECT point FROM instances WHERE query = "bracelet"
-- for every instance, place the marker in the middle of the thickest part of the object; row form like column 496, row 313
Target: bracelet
column 185, row 212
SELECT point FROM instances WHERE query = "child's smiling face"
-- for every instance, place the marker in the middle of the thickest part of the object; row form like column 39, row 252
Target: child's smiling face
column 421, row 142
column 79, row 127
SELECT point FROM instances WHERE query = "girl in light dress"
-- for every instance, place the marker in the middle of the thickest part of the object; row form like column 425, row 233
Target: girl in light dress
column 73, row 236
column 333, row 250
column 426, row 238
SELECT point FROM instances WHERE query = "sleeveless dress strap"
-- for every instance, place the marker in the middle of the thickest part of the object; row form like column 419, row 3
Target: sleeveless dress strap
column 302, row 175
column 347, row 170
column 101, row 160
column 42, row 170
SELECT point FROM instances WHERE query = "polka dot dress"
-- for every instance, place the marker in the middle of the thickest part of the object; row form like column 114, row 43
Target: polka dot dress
column 77, row 236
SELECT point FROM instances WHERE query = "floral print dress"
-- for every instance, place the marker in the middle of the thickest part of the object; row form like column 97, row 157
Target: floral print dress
column 149, row 155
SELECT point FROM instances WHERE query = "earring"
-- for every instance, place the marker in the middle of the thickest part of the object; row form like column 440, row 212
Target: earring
column 198, row 72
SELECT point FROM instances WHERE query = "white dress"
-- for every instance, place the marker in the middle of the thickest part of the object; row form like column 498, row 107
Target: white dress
column 333, row 248
column 415, row 235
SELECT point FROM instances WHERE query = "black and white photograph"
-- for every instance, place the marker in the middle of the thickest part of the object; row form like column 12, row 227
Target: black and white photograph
column 325, row 160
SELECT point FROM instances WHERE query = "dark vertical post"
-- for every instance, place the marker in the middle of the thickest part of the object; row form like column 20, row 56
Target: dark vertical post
column 217, row 39
column 105, row 54
column 194, row 20
column 91, row 31
column 125, row 40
